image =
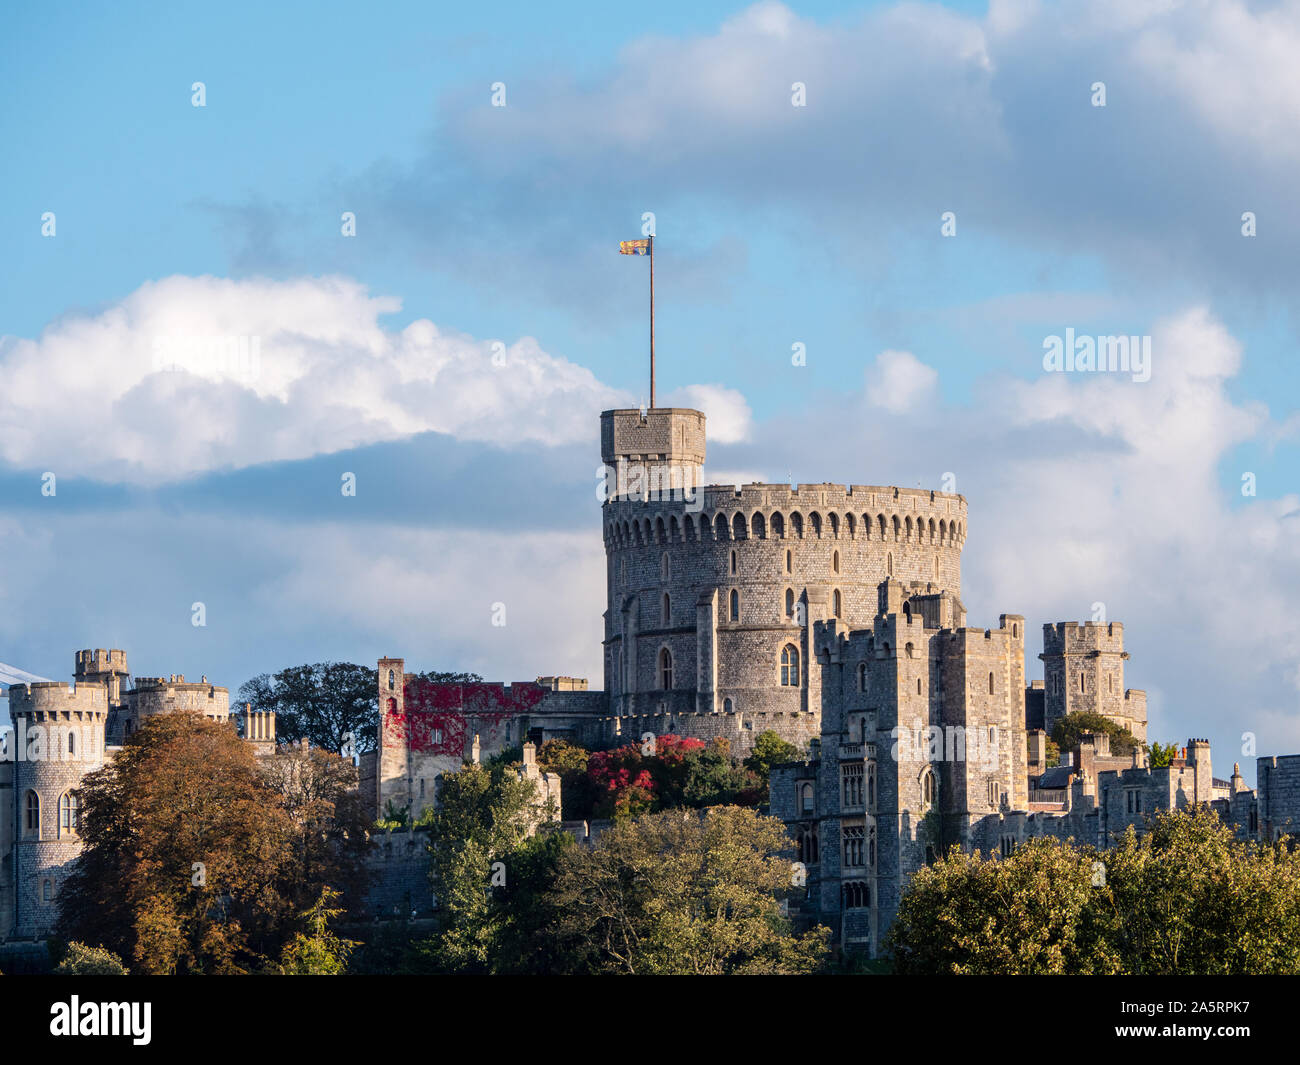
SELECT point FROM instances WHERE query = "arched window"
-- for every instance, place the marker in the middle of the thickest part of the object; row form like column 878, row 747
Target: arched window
column 392, row 677
column 837, row 603
column 806, row 798
column 667, row 609
column 918, row 685
column 733, row 561
column 72, row 741
column 790, row 666
column 32, row 815
column 862, row 677
column 1081, row 687
column 735, row 605
column 857, row 895
column 990, row 683
column 789, row 602
column 936, row 567
column 889, row 563
column 789, row 562
column 871, row 847
column 927, row 787
column 728, row 707
column 664, row 567
column 835, row 561
column 665, row 669
column 69, row 813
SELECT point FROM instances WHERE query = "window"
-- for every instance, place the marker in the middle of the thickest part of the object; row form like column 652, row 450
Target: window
column 728, row 707
column 735, row 605
column 889, row 563
column 392, row 679
column 392, row 706
column 789, row 602
column 837, row 603
column 835, row 561
column 790, row 666
column 32, row 815
column 668, row 609
column 69, row 813
column 47, row 890
column 871, row 846
column 72, row 741
column 855, row 846
column 857, row 895
column 928, row 788
column 918, row 683
column 1081, row 687
column 665, row 669
column 936, row 567
column 863, row 677
column 871, row 788
column 733, row 560
column 990, row 683
column 664, row 569
column 995, row 793
column 1110, row 682
column 806, row 845
column 789, row 562
column 1008, row 846
column 806, row 798
column 851, row 780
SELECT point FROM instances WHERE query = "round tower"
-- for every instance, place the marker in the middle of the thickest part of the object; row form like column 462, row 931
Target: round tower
column 59, row 738
column 713, row 591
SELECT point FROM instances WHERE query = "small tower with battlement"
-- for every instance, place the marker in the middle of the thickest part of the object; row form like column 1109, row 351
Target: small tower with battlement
column 652, row 454
column 1083, row 670
column 109, row 668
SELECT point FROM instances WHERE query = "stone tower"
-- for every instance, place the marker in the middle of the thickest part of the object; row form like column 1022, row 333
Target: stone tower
column 59, row 733
column 713, row 594
column 1083, row 669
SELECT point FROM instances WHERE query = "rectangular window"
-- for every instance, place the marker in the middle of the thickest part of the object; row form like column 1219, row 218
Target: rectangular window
column 851, row 779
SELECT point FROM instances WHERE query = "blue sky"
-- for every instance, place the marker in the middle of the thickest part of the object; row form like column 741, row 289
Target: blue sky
column 775, row 225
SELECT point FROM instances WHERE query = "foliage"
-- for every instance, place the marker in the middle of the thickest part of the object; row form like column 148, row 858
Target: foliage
column 489, row 872
column 1069, row 729
column 681, row 892
column 326, row 703
column 81, row 960
column 1162, row 754
column 577, row 793
column 318, row 951
column 192, row 862
column 1183, row 897
column 675, row 772
column 769, row 750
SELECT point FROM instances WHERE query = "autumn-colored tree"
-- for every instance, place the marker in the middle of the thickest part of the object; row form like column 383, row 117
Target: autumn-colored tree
column 81, row 960
column 185, row 852
column 682, row 892
column 319, row 792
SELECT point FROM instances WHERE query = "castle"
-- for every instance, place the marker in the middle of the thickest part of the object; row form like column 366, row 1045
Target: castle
column 829, row 614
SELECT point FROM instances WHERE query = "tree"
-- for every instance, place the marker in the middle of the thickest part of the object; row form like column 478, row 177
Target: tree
column 318, row 951
column 1183, row 897
column 769, row 750
column 1069, row 730
column 577, row 794
column 1162, row 754
column 81, row 960
column 327, row 704
column 488, row 869
column 682, row 892
column 319, row 792
column 185, row 853
column 1028, row 913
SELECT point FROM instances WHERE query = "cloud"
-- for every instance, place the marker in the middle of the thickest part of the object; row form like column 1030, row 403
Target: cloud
column 192, row 374
column 728, row 419
column 899, row 382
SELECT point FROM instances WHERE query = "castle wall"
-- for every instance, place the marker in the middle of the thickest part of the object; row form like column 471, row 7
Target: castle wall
column 1083, row 670
column 1278, row 787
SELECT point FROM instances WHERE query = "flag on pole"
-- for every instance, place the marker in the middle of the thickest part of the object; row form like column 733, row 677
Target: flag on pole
column 634, row 247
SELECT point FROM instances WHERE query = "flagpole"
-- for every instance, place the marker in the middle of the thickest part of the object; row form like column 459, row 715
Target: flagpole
column 652, row 320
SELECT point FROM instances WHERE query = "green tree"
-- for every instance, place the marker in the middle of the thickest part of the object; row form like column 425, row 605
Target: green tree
column 81, row 960
column 487, row 868
column 769, row 750
column 1162, row 754
column 318, row 951
column 682, row 892
column 1069, row 729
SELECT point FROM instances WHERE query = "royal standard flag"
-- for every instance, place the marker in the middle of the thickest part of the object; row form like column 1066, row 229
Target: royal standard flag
column 634, row 247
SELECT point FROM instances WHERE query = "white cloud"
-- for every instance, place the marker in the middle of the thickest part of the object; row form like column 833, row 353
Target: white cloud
column 900, row 382
column 92, row 396
column 728, row 419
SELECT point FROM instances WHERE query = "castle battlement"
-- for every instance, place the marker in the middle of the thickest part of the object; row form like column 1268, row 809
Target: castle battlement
column 55, row 697
column 92, row 661
column 1072, row 637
